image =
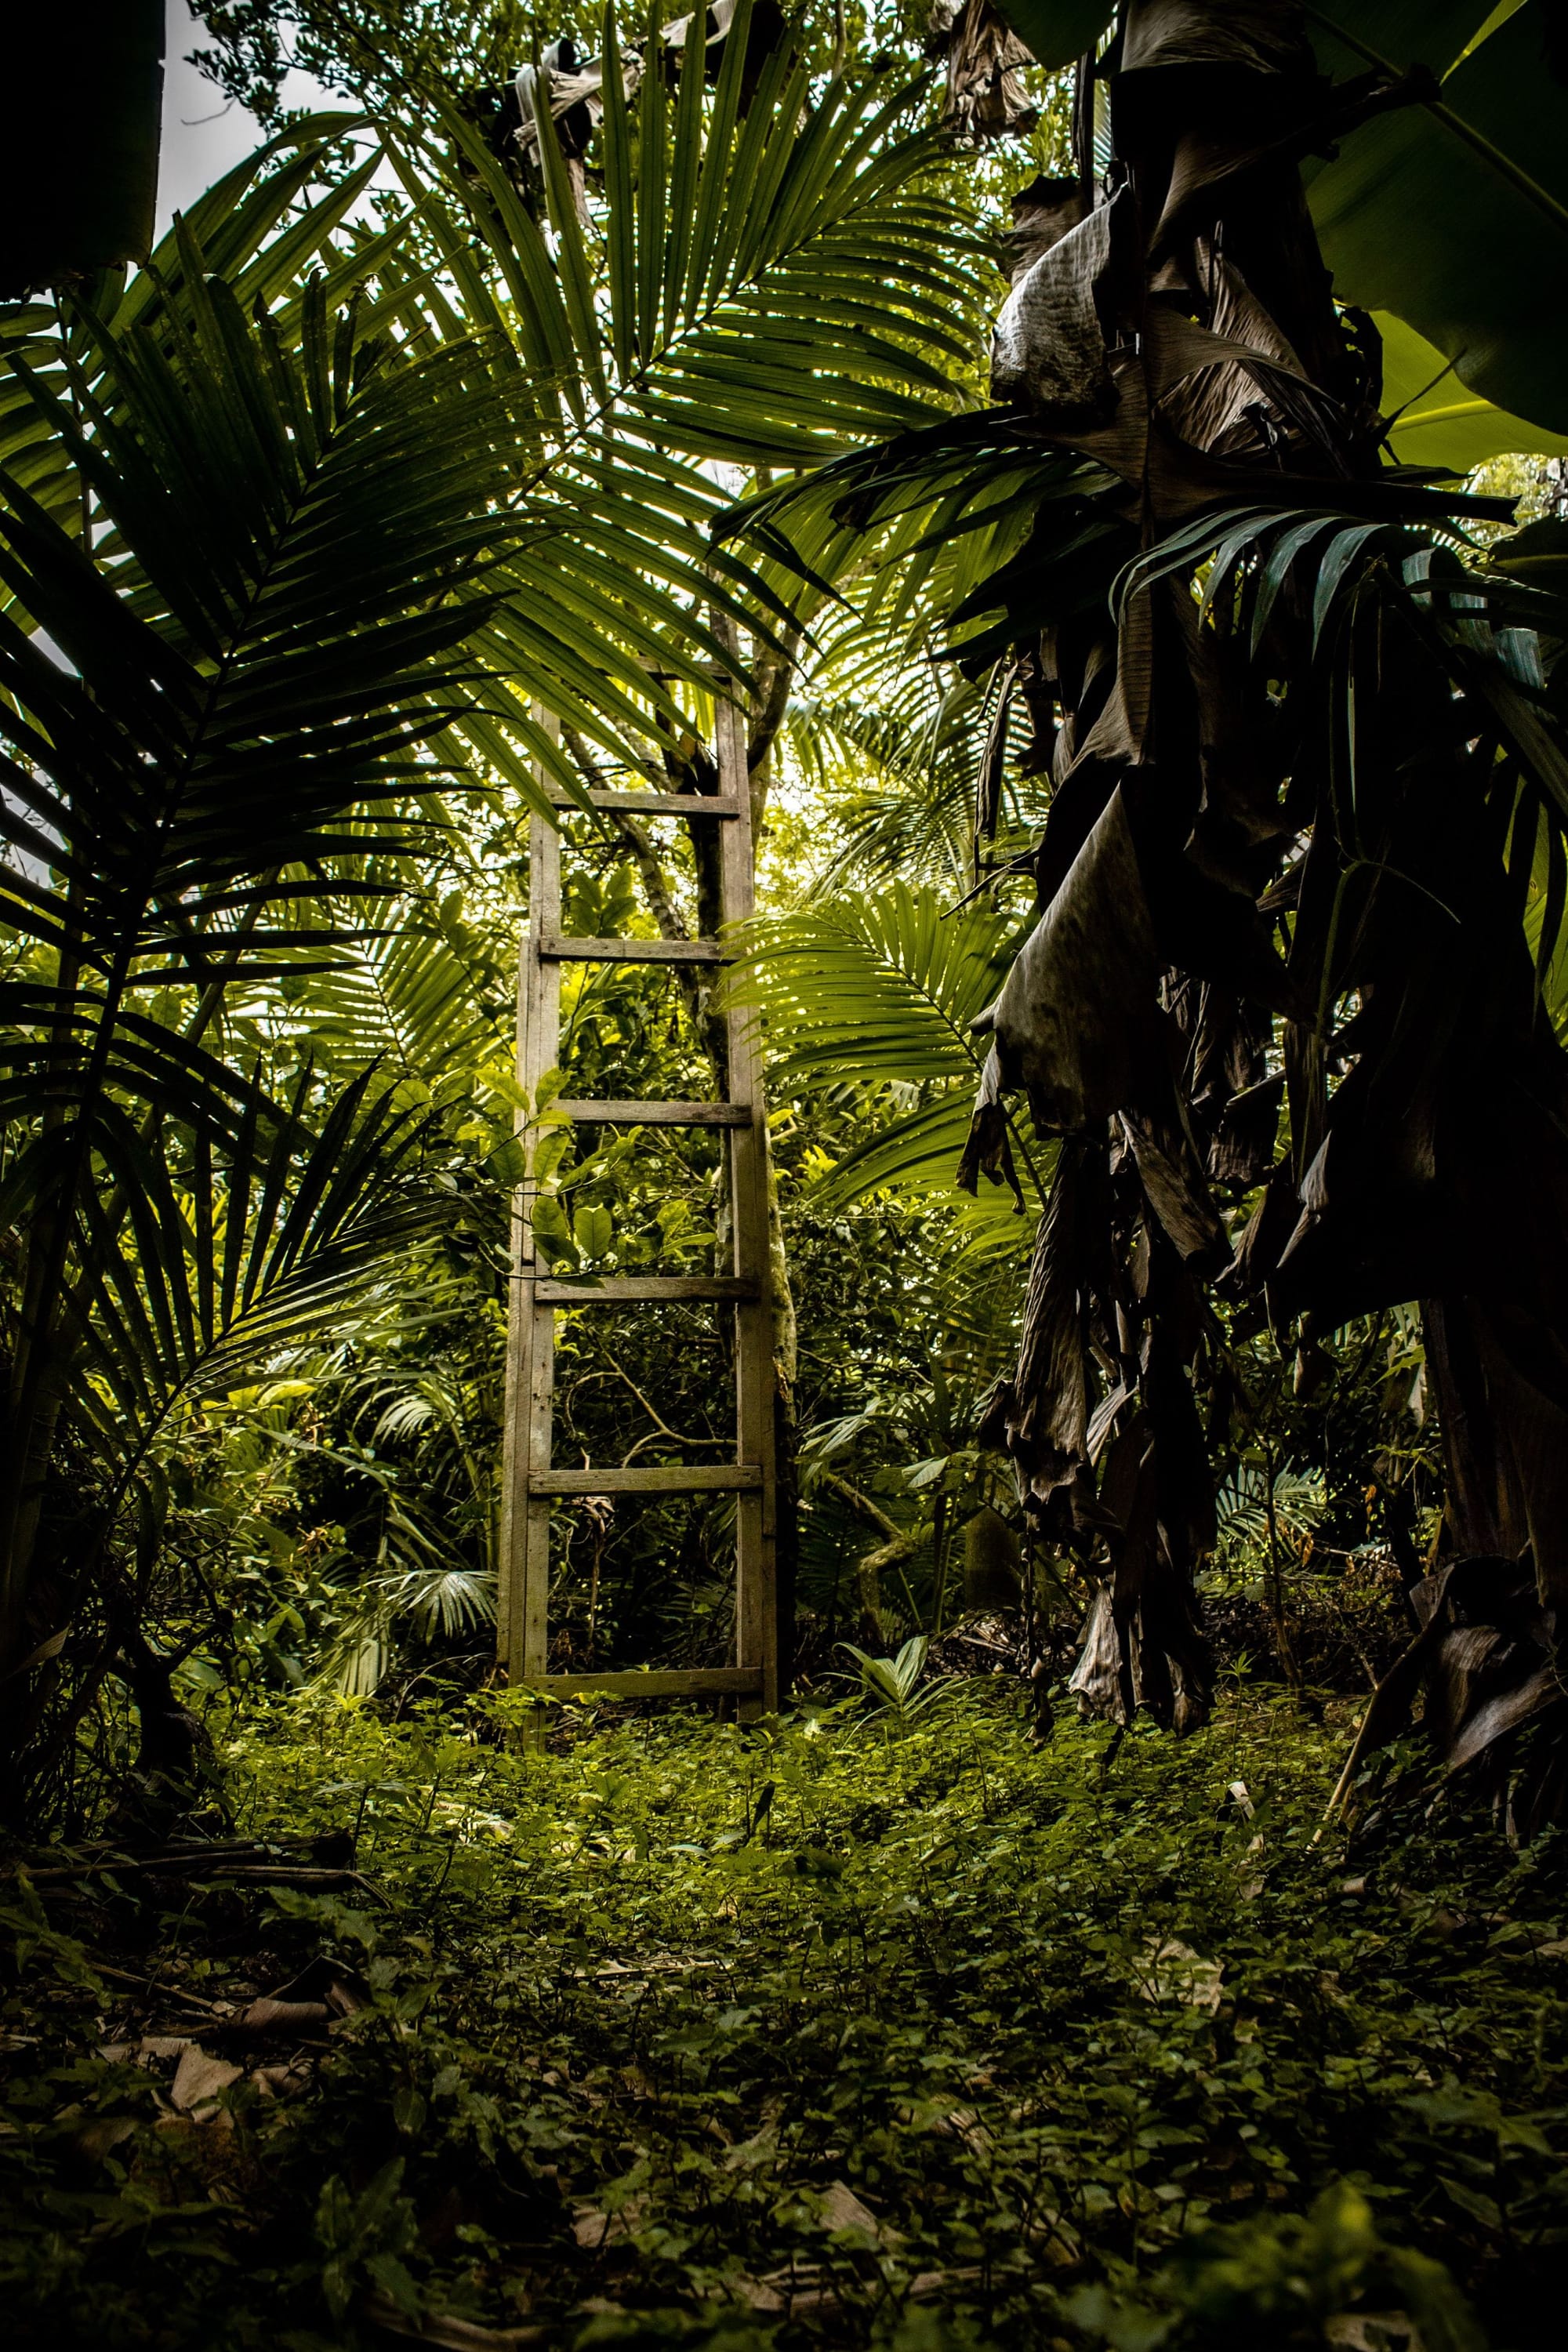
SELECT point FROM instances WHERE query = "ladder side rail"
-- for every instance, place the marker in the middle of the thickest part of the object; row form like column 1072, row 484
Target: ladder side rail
column 524, row 1581
column 528, row 1481
column 514, row 1416
column 756, row 1607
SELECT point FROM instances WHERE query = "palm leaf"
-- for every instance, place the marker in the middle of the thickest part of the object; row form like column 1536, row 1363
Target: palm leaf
column 767, row 286
column 204, row 1283
column 878, row 993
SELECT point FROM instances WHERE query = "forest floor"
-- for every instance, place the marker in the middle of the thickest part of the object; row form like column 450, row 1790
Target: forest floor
column 839, row 2033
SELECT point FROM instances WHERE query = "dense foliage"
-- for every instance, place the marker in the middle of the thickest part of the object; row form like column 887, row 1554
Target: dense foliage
column 306, row 523
column 870, row 2029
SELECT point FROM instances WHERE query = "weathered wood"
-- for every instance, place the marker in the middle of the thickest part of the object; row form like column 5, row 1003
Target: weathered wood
column 660, row 1478
column 650, row 803
column 756, row 1585
column 655, row 1113
column 554, row 949
column 616, row 1289
column 523, row 1548
column 531, row 1486
column 687, row 1682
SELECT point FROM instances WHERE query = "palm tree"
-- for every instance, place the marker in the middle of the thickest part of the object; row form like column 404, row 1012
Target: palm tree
column 301, row 527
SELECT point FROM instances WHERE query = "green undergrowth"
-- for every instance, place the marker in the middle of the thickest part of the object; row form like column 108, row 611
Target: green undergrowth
column 829, row 2033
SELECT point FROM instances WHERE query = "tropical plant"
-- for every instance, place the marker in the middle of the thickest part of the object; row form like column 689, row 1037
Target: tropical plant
column 224, row 658
column 902, row 780
column 759, row 278
column 303, row 525
column 881, row 993
column 724, row 296
column 1252, row 1506
column 891, row 1687
column 1305, row 847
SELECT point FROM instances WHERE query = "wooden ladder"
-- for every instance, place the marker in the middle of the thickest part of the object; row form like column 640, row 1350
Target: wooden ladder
column 531, row 1482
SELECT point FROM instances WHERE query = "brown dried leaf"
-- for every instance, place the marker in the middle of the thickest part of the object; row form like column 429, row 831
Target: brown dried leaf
column 447, row 2331
column 1076, row 1012
column 325, row 1989
column 985, row 99
column 1043, row 212
column 1372, row 2331
column 269, row 2016
column 283, row 2082
column 1265, row 36
column 200, row 2078
column 755, row 2291
column 593, row 2228
column 1242, row 1153
column 98, row 2139
column 1176, row 1188
column 1050, row 344
column 1173, row 1971
column 840, row 2209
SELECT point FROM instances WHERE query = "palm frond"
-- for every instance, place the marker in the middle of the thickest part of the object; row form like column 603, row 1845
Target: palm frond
column 779, row 277
column 767, row 285
column 878, row 994
column 210, row 1273
column 934, row 522
column 260, row 228
column 1247, row 1503
column 903, row 755
column 411, row 997
column 881, row 990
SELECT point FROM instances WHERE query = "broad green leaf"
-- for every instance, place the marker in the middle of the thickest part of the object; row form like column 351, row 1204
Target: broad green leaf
column 594, row 1230
column 1439, row 421
column 1454, row 214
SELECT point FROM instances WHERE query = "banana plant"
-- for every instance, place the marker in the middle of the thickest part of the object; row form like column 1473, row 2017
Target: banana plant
column 1303, row 878
column 1446, row 203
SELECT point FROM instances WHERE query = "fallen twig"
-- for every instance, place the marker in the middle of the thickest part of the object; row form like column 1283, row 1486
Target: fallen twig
column 163, row 1992
column 445, row 2329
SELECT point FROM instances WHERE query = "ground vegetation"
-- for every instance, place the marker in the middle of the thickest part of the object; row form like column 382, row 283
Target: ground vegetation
column 887, row 2026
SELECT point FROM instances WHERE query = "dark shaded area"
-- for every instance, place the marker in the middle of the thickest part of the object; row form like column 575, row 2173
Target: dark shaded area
column 79, row 112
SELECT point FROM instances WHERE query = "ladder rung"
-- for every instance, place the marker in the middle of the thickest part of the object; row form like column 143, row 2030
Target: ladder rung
column 736, row 1476
column 674, row 1478
column 655, row 1113
column 613, row 1289
column 565, row 951
column 686, row 1682
column 651, row 803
